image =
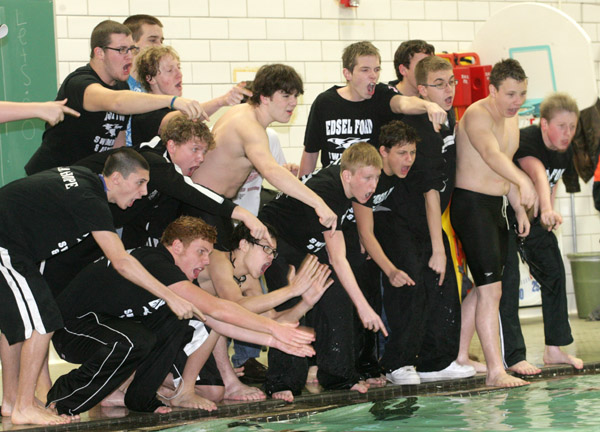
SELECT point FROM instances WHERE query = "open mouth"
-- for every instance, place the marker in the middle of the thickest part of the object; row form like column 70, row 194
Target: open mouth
column 449, row 101
column 371, row 88
column 127, row 68
column 197, row 272
column 264, row 268
column 192, row 170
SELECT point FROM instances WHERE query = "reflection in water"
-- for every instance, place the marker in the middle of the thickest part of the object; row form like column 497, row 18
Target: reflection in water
column 558, row 405
column 393, row 410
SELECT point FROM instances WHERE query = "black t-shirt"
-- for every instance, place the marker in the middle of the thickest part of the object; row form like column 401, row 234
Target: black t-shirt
column 100, row 288
column 531, row 143
column 145, row 126
column 334, row 123
column 379, row 199
column 75, row 138
column 167, row 189
column 435, row 164
column 298, row 223
column 49, row 212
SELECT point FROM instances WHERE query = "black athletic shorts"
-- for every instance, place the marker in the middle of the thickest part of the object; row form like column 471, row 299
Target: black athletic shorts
column 480, row 223
column 26, row 301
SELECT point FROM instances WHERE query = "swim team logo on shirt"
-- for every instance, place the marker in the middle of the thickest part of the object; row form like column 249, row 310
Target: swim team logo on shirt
column 112, row 130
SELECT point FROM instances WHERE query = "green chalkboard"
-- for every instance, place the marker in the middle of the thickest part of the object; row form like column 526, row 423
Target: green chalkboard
column 27, row 74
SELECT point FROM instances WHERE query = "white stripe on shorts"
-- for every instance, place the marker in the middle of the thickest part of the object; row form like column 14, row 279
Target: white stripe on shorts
column 22, row 294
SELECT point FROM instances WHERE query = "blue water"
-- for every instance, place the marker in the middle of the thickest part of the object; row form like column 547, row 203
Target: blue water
column 556, row 405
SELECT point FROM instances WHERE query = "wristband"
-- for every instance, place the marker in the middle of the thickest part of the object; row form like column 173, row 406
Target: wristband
column 173, row 101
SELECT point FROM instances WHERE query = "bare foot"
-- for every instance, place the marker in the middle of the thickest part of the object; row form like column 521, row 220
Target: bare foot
column 115, row 399
column 380, row 381
column 525, row 368
column 33, row 414
column 192, row 400
column 162, row 410
column 53, row 410
column 242, row 392
column 239, row 371
column 505, row 380
column 6, row 409
column 479, row 367
column 554, row 355
column 285, row 395
column 360, row 387
column 311, row 378
column 314, row 388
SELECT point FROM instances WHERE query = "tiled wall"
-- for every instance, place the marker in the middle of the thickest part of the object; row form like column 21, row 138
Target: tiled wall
column 222, row 41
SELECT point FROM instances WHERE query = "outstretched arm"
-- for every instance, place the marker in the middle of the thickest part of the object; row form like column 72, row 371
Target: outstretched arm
column 256, row 147
column 99, row 98
column 51, row 112
column 131, row 269
column 534, row 168
column 414, row 105
column 232, row 313
column 479, row 129
column 336, row 249
column 437, row 262
column 364, row 224
column 233, row 97
column 221, row 275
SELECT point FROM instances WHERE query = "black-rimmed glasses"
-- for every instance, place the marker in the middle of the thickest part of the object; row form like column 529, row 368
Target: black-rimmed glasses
column 268, row 249
column 443, row 85
column 124, row 50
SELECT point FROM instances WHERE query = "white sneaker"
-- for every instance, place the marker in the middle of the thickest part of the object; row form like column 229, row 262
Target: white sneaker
column 454, row 371
column 406, row 375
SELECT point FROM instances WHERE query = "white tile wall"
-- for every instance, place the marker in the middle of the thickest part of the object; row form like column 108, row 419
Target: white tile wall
column 219, row 40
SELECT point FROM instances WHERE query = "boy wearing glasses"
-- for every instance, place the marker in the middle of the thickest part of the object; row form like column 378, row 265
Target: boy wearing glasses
column 249, row 259
column 135, row 331
column 99, row 92
column 434, row 323
column 342, row 116
column 300, row 233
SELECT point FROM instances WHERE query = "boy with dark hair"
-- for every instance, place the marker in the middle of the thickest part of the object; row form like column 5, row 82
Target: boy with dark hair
column 44, row 215
column 242, row 144
column 249, row 258
column 544, row 154
column 98, row 91
column 406, row 58
column 355, row 176
column 171, row 160
column 135, row 332
column 486, row 139
column 342, row 116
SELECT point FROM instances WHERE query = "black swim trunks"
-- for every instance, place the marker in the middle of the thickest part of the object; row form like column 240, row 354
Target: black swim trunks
column 480, row 223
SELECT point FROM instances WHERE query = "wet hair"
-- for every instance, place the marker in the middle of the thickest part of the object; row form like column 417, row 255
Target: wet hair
column 241, row 232
column 135, row 23
column 272, row 78
column 187, row 229
column 407, row 50
column 358, row 49
column 182, row 129
column 397, row 133
column 556, row 103
column 125, row 161
column 359, row 155
column 428, row 65
column 101, row 35
column 147, row 62
column 504, row 69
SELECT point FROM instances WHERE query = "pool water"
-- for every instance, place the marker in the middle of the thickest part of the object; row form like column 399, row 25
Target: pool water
column 555, row 405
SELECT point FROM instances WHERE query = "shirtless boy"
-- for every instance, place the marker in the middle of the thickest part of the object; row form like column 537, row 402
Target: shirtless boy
column 487, row 138
column 242, row 143
column 249, row 259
